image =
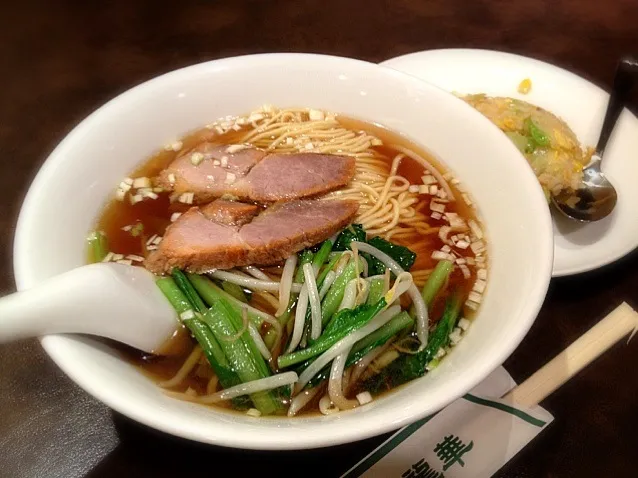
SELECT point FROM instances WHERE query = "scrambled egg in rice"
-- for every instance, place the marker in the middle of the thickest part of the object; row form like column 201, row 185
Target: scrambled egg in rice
column 550, row 146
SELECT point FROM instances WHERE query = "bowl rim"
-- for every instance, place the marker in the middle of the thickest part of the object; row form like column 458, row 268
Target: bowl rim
column 51, row 344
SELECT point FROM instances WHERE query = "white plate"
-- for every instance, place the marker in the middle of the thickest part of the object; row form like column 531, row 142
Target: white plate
column 577, row 248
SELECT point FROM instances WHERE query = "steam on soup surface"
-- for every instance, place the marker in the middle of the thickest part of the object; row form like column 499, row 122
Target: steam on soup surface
column 315, row 260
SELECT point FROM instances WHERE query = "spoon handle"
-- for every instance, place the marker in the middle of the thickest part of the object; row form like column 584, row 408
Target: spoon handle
column 66, row 303
column 626, row 74
column 108, row 300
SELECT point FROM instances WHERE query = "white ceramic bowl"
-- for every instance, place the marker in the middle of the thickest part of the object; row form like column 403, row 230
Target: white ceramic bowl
column 79, row 176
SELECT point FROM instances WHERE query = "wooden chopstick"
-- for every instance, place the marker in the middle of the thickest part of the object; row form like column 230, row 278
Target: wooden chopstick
column 621, row 321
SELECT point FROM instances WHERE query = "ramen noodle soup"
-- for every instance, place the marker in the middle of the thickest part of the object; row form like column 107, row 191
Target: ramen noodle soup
column 315, row 261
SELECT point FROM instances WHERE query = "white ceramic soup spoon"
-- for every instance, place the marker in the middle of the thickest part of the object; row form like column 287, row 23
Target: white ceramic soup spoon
column 115, row 301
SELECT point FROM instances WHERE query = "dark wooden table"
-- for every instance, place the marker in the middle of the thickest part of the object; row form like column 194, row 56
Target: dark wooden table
column 61, row 60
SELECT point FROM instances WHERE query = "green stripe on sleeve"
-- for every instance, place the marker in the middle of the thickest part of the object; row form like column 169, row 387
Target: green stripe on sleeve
column 505, row 408
column 392, row 442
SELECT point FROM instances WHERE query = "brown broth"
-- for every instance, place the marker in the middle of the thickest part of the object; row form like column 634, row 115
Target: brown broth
column 155, row 216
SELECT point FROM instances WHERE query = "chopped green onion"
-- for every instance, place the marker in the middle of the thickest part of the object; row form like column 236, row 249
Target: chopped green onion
column 333, row 298
column 235, row 290
column 379, row 337
column 98, row 246
column 211, row 293
column 203, row 335
column 376, row 290
column 409, row 367
column 322, row 275
column 523, row 143
column 241, row 353
column 538, row 136
column 348, row 320
column 191, row 294
column 436, row 281
column 321, row 255
column 137, row 229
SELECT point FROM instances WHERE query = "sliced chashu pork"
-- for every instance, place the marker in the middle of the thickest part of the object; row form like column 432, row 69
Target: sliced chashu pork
column 204, row 238
column 229, row 213
column 209, row 171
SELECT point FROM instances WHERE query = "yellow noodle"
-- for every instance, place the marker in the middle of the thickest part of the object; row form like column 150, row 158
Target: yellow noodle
column 211, row 387
column 421, row 273
column 392, row 223
column 387, row 207
column 186, row 368
column 269, row 298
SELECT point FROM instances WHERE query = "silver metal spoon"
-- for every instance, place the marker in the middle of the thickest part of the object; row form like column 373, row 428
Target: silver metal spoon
column 596, row 197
